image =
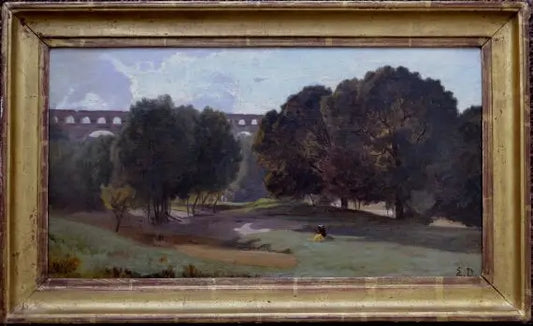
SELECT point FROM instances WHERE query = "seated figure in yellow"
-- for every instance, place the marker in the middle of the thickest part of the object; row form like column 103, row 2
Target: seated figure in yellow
column 320, row 234
column 318, row 237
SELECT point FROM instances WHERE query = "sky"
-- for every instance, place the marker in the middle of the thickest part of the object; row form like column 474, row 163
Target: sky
column 237, row 80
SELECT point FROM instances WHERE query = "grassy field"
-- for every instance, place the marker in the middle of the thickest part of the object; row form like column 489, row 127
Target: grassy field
column 264, row 238
column 100, row 249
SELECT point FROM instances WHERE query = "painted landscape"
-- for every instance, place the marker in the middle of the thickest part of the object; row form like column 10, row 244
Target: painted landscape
column 282, row 162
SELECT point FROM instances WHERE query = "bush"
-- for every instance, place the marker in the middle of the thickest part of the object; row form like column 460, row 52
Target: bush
column 64, row 266
column 165, row 273
column 191, row 271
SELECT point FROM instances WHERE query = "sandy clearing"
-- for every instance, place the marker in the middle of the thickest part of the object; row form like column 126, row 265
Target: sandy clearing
column 240, row 257
column 444, row 222
column 247, row 229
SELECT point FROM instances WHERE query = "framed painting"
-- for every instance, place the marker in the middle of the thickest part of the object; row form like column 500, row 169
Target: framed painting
column 265, row 161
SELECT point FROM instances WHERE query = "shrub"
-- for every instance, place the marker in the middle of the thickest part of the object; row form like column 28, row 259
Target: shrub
column 165, row 273
column 191, row 271
column 64, row 266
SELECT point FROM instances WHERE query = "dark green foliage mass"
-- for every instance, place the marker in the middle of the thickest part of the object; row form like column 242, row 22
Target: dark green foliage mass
column 153, row 153
column 77, row 170
column 248, row 185
column 166, row 152
column 217, row 152
column 404, row 119
column 459, row 179
column 163, row 152
column 392, row 136
column 289, row 144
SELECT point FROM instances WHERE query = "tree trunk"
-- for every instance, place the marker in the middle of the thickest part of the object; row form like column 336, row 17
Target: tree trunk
column 160, row 211
column 344, row 203
column 204, row 199
column 398, row 207
column 156, row 211
column 194, row 204
column 148, row 211
column 187, row 205
column 166, row 209
column 118, row 219
column 398, row 201
column 215, row 204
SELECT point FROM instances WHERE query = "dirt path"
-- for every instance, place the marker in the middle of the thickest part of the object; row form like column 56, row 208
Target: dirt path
column 240, row 257
column 192, row 245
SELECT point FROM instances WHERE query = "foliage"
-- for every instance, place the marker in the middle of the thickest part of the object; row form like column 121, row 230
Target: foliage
column 292, row 165
column 458, row 180
column 64, row 266
column 248, row 185
column 118, row 200
column 387, row 137
column 77, row 170
column 349, row 169
column 166, row 152
column 154, row 154
column 404, row 119
column 62, row 190
column 216, row 154
column 351, row 175
column 93, row 169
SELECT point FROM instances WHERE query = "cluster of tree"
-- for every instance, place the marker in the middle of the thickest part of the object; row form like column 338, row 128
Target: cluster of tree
column 391, row 136
column 163, row 152
column 77, row 170
column 248, row 185
column 167, row 152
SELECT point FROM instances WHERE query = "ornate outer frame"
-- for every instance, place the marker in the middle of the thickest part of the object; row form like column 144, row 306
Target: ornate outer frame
column 502, row 292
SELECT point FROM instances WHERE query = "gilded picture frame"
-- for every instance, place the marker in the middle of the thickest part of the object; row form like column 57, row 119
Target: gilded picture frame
column 500, row 29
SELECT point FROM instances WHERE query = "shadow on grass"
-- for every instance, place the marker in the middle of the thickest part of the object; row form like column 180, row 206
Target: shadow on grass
column 343, row 222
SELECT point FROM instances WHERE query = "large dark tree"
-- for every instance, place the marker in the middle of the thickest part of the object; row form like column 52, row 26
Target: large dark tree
column 349, row 169
column 93, row 167
column 63, row 191
column 187, row 118
column 405, row 120
column 154, row 154
column 78, row 170
column 216, row 153
column 458, row 180
column 290, row 143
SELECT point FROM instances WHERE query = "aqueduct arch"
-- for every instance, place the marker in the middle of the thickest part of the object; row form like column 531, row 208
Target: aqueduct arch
column 80, row 124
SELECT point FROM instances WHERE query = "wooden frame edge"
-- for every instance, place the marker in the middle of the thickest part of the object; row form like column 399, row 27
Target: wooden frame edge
column 214, row 42
column 484, row 5
column 16, row 317
column 3, row 161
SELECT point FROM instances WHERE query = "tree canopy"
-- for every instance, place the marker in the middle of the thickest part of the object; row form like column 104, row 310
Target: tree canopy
column 167, row 152
column 385, row 137
column 77, row 170
column 290, row 143
column 403, row 119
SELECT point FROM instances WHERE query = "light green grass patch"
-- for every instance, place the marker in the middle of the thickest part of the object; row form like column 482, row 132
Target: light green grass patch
column 98, row 249
column 352, row 256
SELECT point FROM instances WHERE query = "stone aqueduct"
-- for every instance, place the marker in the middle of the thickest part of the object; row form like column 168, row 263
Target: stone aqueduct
column 81, row 124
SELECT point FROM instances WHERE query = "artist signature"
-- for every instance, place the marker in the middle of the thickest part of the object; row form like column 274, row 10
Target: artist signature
column 464, row 271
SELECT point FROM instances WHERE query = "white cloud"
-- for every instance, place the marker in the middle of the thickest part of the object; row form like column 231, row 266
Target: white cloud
column 90, row 101
column 64, row 103
column 254, row 80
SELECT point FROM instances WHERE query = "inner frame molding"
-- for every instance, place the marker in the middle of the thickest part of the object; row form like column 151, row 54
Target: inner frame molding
column 29, row 30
